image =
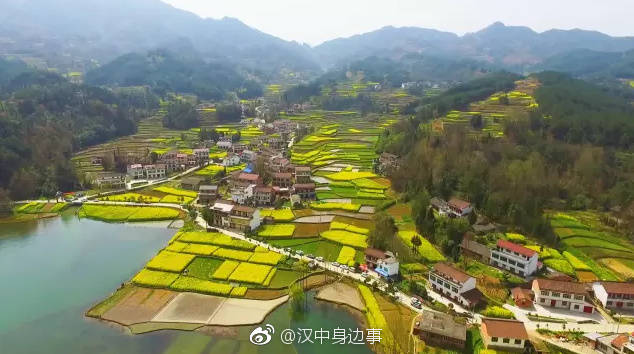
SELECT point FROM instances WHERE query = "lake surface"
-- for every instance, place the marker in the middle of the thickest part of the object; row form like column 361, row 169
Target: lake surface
column 53, row 270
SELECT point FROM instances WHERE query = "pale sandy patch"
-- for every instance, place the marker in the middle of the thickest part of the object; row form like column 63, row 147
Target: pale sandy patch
column 190, row 308
column 235, row 312
column 341, row 293
column 317, row 219
column 141, row 305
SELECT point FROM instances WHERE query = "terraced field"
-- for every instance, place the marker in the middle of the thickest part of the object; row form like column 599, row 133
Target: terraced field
column 487, row 117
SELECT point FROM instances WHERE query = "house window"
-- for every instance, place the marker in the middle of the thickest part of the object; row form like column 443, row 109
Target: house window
column 554, row 294
column 447, row 285
column 542, row 300
column 609, row 303
column 576, row 307
column 494, row 339
column 630, row 304
column 544, row 292
column 566, row 296
column 455, row 290
column 518, row 341
column 564, row 303
column 506, row 340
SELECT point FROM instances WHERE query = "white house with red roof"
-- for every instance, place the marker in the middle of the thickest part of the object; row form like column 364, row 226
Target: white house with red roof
column 455, row 284
column 459, row 207
column 615, row 295
column 514, row 258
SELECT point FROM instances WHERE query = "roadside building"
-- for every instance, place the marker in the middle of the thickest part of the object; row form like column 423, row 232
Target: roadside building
column 302, row 174
column 440, row 330
column 562, row 294
column 220, row 213
column 191, row 183
column 109, row 180
column 135, row 171
column 454, row 284
column 248, row 156
column 157, row 171
column 245, row 218
column 614, row 343
column 374, row 255
column 306, row 191
column 459, row 207
column 505, row 335
column 515, row 258
column 264, row 195
column 224, row 144
column 387, row 268
column 282, row 179
column 522, row 297
column 279, row 163
column 615, row 295
column 207, row 194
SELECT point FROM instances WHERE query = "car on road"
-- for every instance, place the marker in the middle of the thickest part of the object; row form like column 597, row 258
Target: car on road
column 416, row 303
column 300, row 253
column 288, row 250
column 336, row 264
column 310, row 256
column 365, row 275
column 319, row 259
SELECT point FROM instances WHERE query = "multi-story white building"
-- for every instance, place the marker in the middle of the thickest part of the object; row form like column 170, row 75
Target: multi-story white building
column 157, row 171
column 455, row 284
column 515, row 258
column 615, row 295
column 387, row 267
column 562, row 294
column 201, row 154
column 231, row 160
column 135, row 171
column 505, row 335
column 242, row 195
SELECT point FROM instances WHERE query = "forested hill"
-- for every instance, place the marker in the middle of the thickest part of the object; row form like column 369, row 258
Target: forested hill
column 166, row 71
column 44, row 119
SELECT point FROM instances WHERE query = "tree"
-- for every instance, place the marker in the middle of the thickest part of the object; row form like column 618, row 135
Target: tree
column 228, row 112
column 416, row 242
column 383, row 235
column 180, row 115
column 6, row 204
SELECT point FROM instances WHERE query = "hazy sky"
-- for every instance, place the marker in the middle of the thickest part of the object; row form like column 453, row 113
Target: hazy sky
column 316, row 21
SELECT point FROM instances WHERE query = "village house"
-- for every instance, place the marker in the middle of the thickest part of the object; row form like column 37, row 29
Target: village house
column 459, row 207
column 455, row 284
column 231, row 160
column 475, row 250
column 201, row 155
column 191, row 183
column 246, row 179
column 283, row 179
column 440, row 205
column 181, row 159
column 501, row 334
column 170, row 159
column 264, row 195
column 615, row 295
column 224, row 144
column 388, row 163
column 306, row 191
column 207, row 194
column 382, row 262
column 522, row 297
column 614, row 343
column 109, row 180
column 279, row 164
column 515, row 258
column 244, row 218
column 302, row 174
column 248, row 156
column 562, row 294
column 238, row 148
column 220, row 213
column 157, row 171
column 191, row 160
column 135, row 171
column 440, row 330
column 242, row 194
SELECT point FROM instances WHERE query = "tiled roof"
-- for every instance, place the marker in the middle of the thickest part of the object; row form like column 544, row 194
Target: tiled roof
column 561, row 286
column 516, row 248
column 248, row 176
column 618, row 288
column 459, row 203
column 504, row 328
column 450, row 272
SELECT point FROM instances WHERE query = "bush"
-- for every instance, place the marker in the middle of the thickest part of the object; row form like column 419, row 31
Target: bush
column 497, row 312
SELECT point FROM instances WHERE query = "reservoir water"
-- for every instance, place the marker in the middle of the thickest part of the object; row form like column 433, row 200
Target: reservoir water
column 52, row 271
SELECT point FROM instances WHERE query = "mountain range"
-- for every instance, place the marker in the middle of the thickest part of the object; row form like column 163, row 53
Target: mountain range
column 60, row 34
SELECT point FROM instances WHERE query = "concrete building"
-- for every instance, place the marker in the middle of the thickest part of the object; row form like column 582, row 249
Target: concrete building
column 562, row 294
column 475, row 250
column 244, row 218
column 522, row 297
column 135, row 171
column 454, row 284
column 242, row 194
column 306, row 191
column 459, row 207
column 224, row 144
column 615, row 343
column 440, row 330
column 191, row 183
column 505, row 335
column 302, row 174
column 387, row 268
column 245, row 179
column 264, row 195
column 207, row 194
column 157, row 171
column 283, row 179
column 201, row 155
column 514, row 258
column 231, row 160
column 615, row 295
column 220, row 213
column 112, row 180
